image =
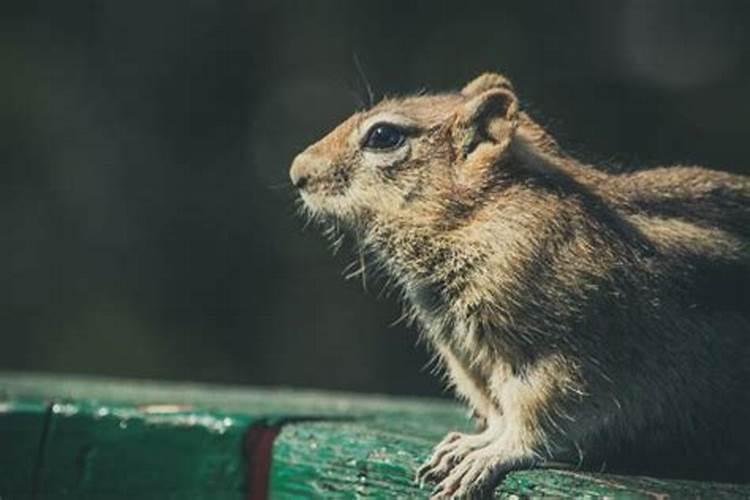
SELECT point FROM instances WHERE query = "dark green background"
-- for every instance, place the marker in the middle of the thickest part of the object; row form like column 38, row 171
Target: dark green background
column 147, row 224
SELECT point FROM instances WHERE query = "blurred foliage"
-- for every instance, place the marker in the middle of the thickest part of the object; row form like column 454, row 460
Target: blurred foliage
column 148, row 226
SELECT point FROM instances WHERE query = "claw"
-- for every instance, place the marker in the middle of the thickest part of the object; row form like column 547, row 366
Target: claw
column 465, row 466
column 438, row 493
column 442, row 458
column 475, row 475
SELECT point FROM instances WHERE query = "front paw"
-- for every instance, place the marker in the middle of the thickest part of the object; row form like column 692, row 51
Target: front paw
column 442, row 458
column 477, row 474
column 450, row 451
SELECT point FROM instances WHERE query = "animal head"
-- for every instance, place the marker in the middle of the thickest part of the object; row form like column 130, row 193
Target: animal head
column 408, row 158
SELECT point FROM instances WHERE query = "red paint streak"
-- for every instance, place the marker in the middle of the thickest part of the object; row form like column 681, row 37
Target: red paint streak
column 258, row 450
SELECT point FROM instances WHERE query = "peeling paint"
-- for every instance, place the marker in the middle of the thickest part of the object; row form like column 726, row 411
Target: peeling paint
column 165, row 408
column 66, row 409
column 213, row 424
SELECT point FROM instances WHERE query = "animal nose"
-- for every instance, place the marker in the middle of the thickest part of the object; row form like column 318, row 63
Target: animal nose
column 300, row 182
column 298, row 173
column 305, row 167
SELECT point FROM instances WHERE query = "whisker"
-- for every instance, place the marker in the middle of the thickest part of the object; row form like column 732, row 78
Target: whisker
column 363, row 266
column 337, row 243
column 348, row 269
column 401, row 319
column 280, row 185
column 363, row 79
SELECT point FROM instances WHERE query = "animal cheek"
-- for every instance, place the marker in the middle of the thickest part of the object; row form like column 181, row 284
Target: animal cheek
column 386, row 160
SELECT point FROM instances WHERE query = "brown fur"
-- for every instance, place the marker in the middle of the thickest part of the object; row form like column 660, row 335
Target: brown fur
column 591, row 318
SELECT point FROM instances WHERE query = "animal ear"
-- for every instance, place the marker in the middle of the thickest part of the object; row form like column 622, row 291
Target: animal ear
column 485, row 82
column 489, row 113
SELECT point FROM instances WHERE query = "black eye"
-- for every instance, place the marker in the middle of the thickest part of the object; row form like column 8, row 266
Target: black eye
column 384, row 136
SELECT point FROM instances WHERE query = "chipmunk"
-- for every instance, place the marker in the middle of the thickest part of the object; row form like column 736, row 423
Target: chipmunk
column 591, row 318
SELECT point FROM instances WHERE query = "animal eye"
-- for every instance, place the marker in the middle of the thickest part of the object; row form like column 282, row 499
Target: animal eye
column 384, row 136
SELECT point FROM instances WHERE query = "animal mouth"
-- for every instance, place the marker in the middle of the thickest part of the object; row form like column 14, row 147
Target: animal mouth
column 320, row 195
column 333, row 184
column 321, row 186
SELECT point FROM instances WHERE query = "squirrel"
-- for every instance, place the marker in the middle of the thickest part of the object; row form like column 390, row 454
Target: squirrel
column 592, row 318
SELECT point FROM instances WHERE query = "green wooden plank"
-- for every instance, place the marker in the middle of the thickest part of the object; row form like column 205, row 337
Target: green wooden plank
column 571, row 484
column 159, row 452
column 76, row 437
column 21, row 431
column 116, row 439
column 377, row 459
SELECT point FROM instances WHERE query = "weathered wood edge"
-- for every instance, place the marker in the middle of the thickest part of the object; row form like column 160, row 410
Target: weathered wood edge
column 280, row 401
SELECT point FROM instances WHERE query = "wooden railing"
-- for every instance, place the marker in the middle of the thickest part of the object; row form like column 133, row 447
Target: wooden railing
column 67, row 437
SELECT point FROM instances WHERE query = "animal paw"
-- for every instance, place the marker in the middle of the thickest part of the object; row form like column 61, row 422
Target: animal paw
column 450, row 451
column 476, row 475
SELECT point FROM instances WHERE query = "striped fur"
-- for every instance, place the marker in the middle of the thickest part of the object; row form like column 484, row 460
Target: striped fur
column 593, row 318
